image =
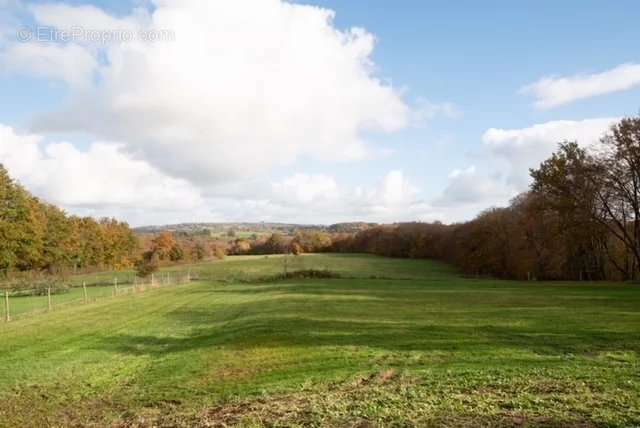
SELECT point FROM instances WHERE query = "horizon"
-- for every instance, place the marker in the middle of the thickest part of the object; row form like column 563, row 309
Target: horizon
column 308, row 112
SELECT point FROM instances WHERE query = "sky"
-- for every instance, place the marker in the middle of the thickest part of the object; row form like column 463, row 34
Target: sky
column 317, row 111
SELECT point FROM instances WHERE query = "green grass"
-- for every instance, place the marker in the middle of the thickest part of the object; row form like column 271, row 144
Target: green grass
column 393, row 343
column 22, row 306
column 348, row 265
column 233, row 269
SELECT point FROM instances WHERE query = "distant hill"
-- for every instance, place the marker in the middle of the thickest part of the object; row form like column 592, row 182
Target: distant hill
column 350, row 227
column 259, row 228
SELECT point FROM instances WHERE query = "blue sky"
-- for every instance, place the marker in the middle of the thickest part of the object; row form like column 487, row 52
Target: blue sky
column 457, row 68
column 479, row 54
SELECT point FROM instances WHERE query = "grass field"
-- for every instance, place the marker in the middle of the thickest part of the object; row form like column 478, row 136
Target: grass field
column 235, row 269
column 392, row 343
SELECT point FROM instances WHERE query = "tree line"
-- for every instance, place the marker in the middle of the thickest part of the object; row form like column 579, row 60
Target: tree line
column 580, row 219
column 39, row 237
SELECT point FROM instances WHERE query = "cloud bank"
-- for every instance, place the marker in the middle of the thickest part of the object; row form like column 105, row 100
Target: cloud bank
column 104, row 180
column 524, row 148
column 246, row 86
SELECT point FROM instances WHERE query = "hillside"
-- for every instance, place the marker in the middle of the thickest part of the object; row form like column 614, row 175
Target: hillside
column 257, row 227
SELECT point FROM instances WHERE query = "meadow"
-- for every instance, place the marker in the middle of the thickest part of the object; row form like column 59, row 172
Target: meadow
column 392, row 342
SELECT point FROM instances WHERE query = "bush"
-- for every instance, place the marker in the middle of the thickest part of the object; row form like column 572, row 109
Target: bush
column 219, row 253
column 148, row 264
column 296, row 249
column 300, row 274
column 176, row 253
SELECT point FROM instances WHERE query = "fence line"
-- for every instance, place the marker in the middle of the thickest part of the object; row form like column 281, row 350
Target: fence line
column 85, row 289
column 19, row 302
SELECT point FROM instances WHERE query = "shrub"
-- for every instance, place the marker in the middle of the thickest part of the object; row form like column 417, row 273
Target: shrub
column 299, row 274
column 296, row 249
column 219, row 253
column 148, row 264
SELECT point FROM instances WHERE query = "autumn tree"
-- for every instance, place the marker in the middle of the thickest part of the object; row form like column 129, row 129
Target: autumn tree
column 176, row 253
column 147, row 264
column 313, row 241
column 162, row 245
column 296, row 249
column 35, row 236
column 599, row 191
column 617, row 183
column 199, row 251
column 219, row 252
column 276, row 244
column 20, row 233
column 241, row 246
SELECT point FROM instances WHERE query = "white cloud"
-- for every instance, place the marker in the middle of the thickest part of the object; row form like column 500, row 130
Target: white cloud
column 320, row 198
column 395, row 190
column 470, row 187
column 102, row 177
column 556, row 91
column 67, row 63
column 246, row 86
column 394, row 198
column 305, row 189
column 525, row 148
column 426, row 110
column 105, row 181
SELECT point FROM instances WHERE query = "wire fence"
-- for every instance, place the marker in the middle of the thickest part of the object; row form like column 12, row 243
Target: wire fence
column 30, row 296
column 53, row 295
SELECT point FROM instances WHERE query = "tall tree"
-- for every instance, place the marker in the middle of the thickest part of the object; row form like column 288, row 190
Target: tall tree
column 20, row 231
column 601, row 188
column 40, row 236
column 619, row 192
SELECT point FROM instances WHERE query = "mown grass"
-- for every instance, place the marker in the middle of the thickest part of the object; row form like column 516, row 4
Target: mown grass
column 238, row 269
column 347, row 265
column 252, row 267
column 417, row 346
column 29, row 305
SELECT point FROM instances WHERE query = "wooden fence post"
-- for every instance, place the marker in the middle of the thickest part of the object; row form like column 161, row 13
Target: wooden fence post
column 286, row 259
column 49, row 298
column 115, row 286
column 151, row 280
column 7, row 313
column 84, row 291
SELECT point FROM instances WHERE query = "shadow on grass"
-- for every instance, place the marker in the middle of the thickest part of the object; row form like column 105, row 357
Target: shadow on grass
column 291, row 322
